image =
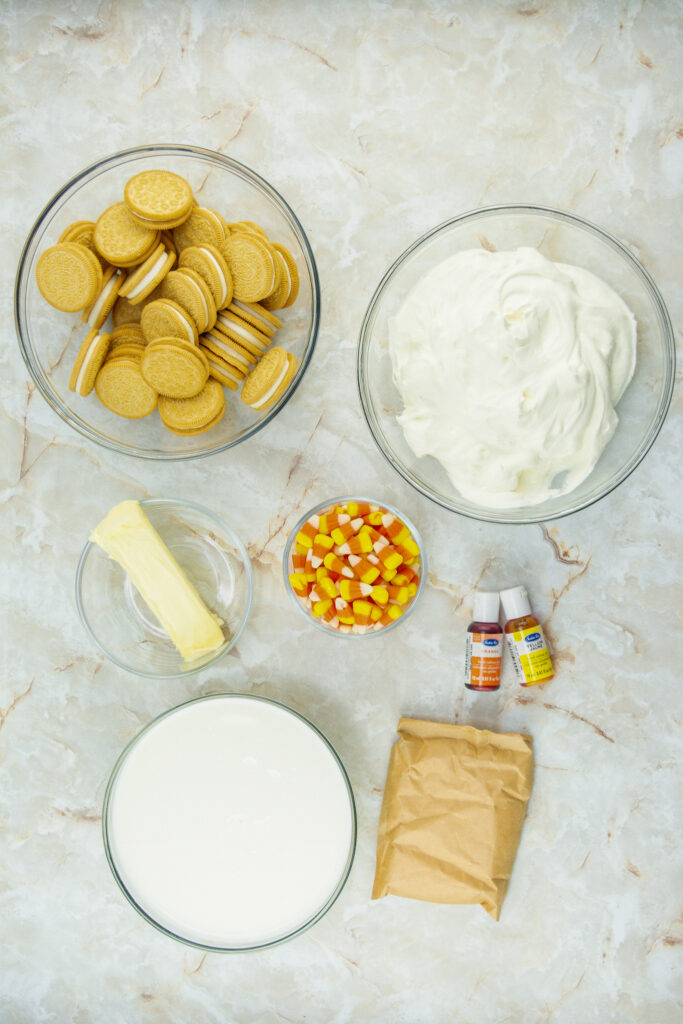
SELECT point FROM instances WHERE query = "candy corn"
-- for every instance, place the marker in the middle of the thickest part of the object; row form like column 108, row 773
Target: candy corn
column 321, row 545
column 334, row 564
column 358, row 545
column 363, row 569
column 355, row 567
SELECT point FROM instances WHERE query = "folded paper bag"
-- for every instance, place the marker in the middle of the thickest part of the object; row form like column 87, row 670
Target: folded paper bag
column 452, row 813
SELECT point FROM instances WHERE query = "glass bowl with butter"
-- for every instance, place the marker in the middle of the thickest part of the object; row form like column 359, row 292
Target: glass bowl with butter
column 516, row 363
column 49, row 340
column 163, row 587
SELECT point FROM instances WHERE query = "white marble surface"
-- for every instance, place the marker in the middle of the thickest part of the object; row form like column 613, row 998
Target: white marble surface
column 375, row 121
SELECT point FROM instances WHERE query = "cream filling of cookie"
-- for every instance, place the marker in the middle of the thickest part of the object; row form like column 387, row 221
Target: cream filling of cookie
column 225, row 370
column 200, row 293
column 86, row 363
column 231, row 352
column 148, row 277
column 243, row 332
column 101, row 299
column 271, row 391
column 181, row 319
column 268, row 327
column 221, row 276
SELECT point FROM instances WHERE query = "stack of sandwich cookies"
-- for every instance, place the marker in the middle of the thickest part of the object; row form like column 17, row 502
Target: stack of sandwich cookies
column 164, row 318
column 112, row 282
column 69, row 276
column 89, row 360
column 259, row 317
column 142, row 281
column 126, row 334
column 243, row 332
column 269, row 379
column 229, row 362
column 189, row 416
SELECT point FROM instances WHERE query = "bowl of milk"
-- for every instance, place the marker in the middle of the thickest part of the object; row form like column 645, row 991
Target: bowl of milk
column 229, row 823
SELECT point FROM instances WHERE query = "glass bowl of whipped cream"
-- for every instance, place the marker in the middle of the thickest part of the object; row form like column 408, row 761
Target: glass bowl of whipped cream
column 516, row 364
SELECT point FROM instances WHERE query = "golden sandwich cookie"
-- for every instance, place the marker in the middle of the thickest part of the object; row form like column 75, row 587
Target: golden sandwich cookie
column 122, row 389
column 202, row 227
column 246, row 334
column 230, row 349
column 251, row 264
column 142, row 281
column 207, row 261
column 95, row 315
column 249, row 227
column 90, row 358
column 164, row 318
column 255, row 314
column 222, row 370
column 269, row 379
column 188, row 289
column 81, row 231
column 290, row 264
column 121, row 240
column 189, row 416
column 158, row 199
column 69, row 276
column 174, row 368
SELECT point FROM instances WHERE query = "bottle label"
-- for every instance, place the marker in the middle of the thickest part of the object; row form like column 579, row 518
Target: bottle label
column 482, row 660
column 530, row 655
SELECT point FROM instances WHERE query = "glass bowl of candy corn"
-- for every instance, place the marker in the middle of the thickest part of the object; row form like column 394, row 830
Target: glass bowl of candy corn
column 354, row 566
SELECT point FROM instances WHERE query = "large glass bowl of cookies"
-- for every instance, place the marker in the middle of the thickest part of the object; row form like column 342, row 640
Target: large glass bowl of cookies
column 167, row 302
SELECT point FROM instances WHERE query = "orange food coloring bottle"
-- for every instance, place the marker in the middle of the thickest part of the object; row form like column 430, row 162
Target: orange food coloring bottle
column 484, row 644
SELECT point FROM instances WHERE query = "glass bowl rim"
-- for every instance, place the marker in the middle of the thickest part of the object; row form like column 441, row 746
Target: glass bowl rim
column 666, row 330
column 27, row 349
column 167, row 931
column 189, row 671
column 373, row 501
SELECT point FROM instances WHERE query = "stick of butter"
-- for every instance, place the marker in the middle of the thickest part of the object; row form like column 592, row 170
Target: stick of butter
column 128, row 537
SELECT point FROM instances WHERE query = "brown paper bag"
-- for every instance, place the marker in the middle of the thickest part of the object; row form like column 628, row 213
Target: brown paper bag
column 452, row 813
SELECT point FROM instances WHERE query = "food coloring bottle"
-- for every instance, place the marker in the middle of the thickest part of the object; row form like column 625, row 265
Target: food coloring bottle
column 484, row 644
column 525, row 639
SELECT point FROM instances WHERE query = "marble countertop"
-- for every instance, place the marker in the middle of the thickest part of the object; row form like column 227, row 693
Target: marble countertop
column 376, row 121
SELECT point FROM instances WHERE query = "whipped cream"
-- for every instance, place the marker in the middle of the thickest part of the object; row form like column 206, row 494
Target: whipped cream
column 509, row 367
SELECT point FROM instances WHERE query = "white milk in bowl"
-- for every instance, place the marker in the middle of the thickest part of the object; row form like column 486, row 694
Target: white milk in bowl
column 230, row 822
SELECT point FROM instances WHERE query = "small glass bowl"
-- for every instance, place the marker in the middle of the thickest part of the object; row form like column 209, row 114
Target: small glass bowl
column 326, row 506
column 121, row 623
column 49, row 340
column 110, row 839
column 561, row 237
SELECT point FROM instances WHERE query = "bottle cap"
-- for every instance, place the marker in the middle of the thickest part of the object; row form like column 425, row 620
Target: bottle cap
column 486, row 605
column 515, row 603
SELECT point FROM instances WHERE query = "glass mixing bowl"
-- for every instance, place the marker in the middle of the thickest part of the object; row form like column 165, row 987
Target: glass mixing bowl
column 561, row 237
column 49, row 340
column 121, row 623
column 282, row 771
